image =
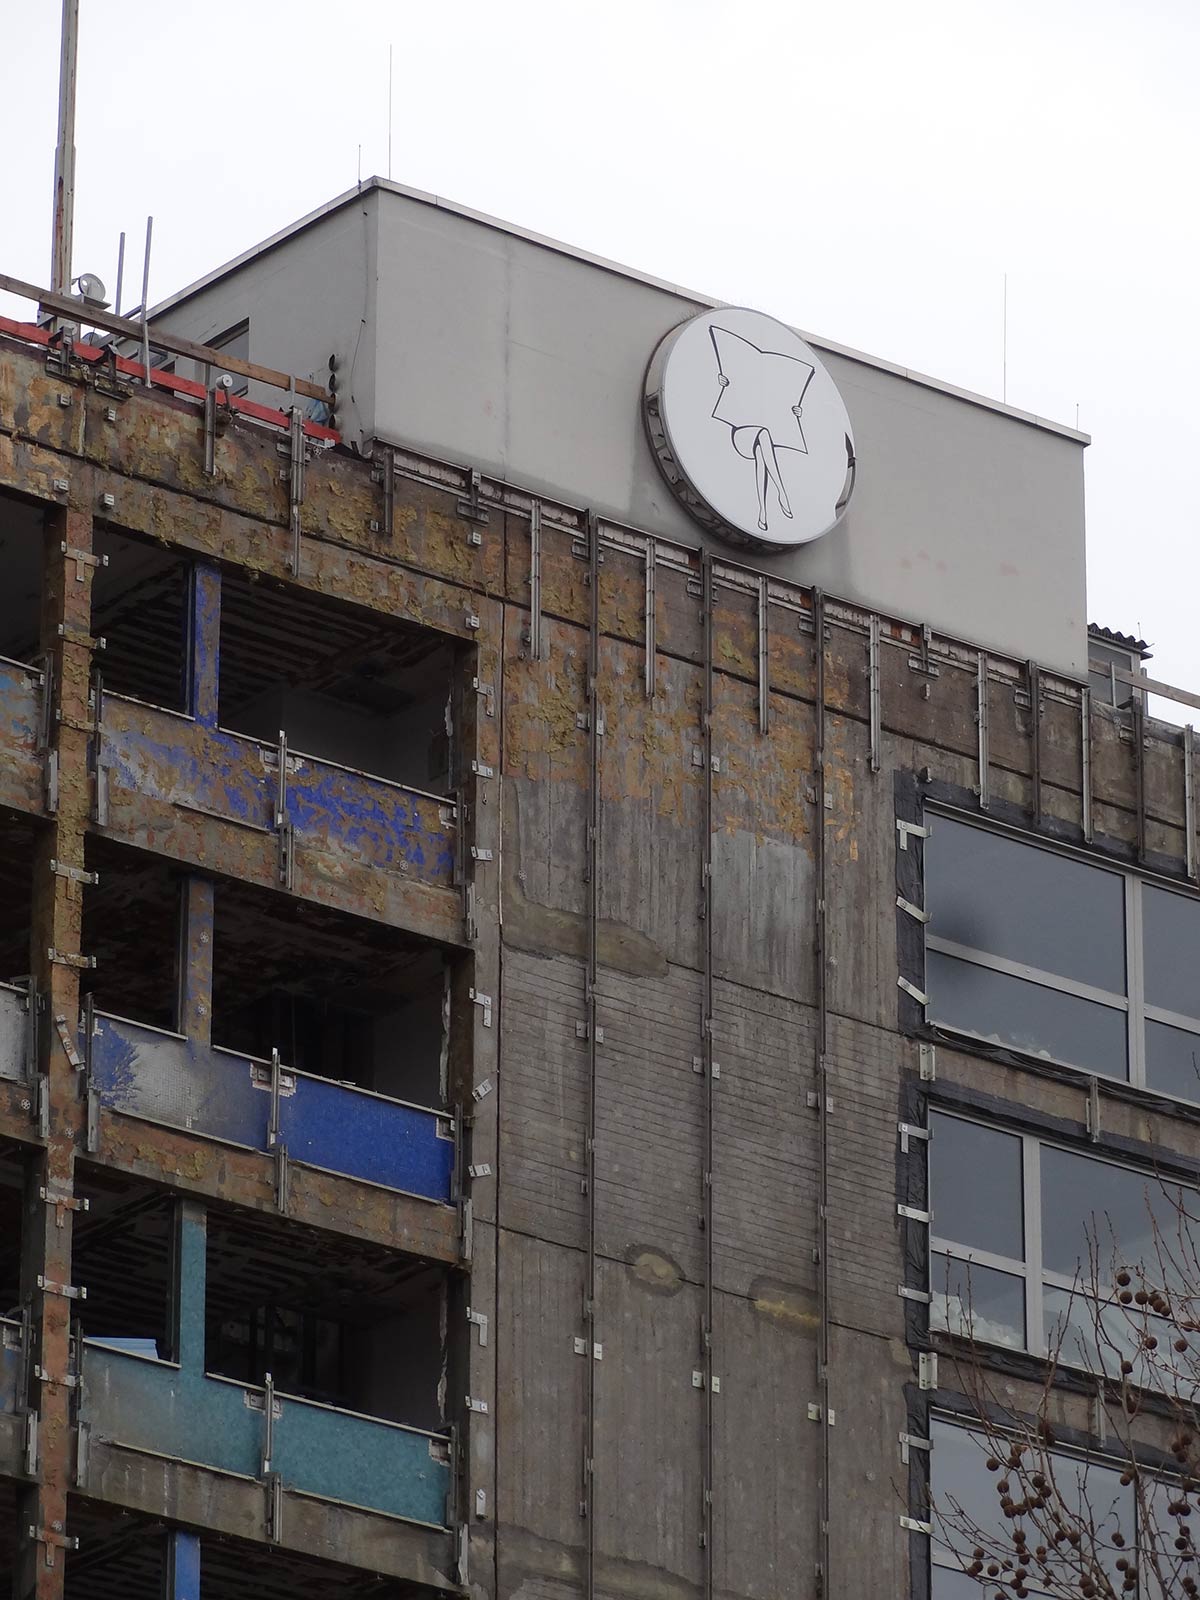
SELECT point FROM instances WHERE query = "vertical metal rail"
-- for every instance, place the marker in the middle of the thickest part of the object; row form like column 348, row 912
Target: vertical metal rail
column 146, row 303
column 981, row 720
column 1034, row 674
column 707, row 1331
column 821, row 1073
column 651, row 631
column 1139, row 773
column 764, row 648
column 1085, row 759
column 873, row 689
column 535, row 580
column 1189, row 800
column 587, row 1504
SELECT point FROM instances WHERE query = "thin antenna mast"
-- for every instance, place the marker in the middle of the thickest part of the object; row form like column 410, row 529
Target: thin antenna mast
column 1004, row 343
column 64, row 154
column 389, row 113
column 146, row 304
column 120, row 272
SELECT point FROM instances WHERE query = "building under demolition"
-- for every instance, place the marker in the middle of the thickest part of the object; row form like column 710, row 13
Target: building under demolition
column 564, row 873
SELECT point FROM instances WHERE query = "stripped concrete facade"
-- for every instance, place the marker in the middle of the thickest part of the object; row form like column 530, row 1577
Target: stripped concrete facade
column 652, row 1191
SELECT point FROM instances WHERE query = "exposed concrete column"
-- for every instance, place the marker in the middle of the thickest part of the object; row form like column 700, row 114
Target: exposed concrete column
column 57, row 927
column 204, row 643
column 196, row 961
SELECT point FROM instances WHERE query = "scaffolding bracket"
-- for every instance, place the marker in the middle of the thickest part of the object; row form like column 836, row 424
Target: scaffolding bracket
column 482, row 1090
column 927, row 1370
column 918, row 995
column 817, row 1413
column 484, row 1001
column 921, row 1296
column 61, row 1202
column 482, row 853
column 928, row 1063
column 581, row 1348
column 482, row 770
column 31, row 1439
column 914, row 1214
column 479, row 1318
column 476, row 1405
column 480, row 1169
column 79, row 636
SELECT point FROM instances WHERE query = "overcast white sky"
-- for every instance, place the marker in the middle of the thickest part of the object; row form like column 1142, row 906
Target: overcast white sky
column 868, row 171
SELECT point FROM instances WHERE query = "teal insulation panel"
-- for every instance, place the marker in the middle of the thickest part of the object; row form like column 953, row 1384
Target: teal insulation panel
column 164, row 1410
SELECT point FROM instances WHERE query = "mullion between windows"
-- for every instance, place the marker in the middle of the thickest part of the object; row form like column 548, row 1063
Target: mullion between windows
column 1135, row 981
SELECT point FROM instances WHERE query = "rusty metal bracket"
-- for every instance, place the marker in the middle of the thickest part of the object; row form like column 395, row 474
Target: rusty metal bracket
column 74, row 874
column 64, row 1034
column 51, row 1539
column 81, row 558
column 471, row 507
column 85, row 641
column 489, row 696
column 64, row 958
column 68, row 1291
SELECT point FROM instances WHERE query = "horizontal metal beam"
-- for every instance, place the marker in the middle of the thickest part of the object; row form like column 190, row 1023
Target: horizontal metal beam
column 81, row 311
column 1151, row 685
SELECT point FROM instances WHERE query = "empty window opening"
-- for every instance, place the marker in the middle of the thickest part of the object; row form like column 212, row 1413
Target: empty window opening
column 139, row 608
column 235, row 342
column 17, row 836
column 337, row 996
column 121, row 1554
column 352, row 1325
column 131, row 927
column 21, row 555
column 12, row 1200
column 346, row 685
column 122, row 1252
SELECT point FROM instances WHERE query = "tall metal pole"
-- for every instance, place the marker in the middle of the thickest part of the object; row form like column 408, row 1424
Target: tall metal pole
column 64, row 155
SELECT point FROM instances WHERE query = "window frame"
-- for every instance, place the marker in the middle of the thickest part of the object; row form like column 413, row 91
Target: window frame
column 1031, row 1270
column 941, row 1557
column 1137, row 1010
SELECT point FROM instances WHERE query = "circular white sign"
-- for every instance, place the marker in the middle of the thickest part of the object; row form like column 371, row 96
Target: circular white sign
column 749, row 429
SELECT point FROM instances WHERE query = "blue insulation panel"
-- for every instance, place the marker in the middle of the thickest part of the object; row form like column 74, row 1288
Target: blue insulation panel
column 10, row 1365
column 333, row 811
column 342, row 1129
column 158, row 1408
column 168, row 1079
